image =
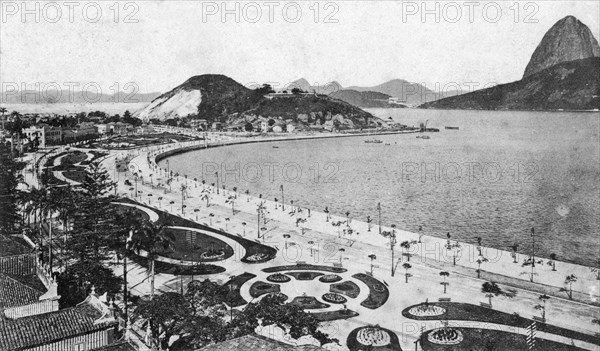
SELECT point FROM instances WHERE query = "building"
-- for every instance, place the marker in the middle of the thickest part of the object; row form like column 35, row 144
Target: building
column 81, row 131
column 45, row 134
column 26, row 287
column 102, row 128
column 29, row 314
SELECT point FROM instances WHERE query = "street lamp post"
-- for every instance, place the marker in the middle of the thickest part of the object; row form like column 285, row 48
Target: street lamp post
column 372, row 257
column 217, row 175
column 282, row 198
column 392, row 244
column 379, row 210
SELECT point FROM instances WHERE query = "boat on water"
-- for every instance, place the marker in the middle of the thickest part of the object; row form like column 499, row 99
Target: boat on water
column 423, row 137
column 374, row 141
column 275, row 147
column 452, row 128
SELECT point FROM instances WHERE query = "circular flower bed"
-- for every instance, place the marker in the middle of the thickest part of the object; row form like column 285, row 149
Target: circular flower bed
column 257, row 257
column 278, row 278
column 445, row 336
column 334, row 298
column 424, row 310
column 330, row 278
column 373, row 336
column 378, row 287
column 210, row 255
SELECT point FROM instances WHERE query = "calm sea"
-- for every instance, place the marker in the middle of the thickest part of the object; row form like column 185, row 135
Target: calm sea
column 496, row 177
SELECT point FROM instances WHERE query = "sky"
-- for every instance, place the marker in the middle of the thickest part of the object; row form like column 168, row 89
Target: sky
column 153, row 46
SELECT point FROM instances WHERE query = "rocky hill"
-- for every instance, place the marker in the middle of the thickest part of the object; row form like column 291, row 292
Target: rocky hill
column 567, row 40
column 573, row 85
column 304, row 85
column 365, row 99
column 218, row 98
column 556, row 78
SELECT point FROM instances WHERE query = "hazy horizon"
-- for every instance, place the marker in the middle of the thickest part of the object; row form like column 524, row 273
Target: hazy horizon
column 159, row 45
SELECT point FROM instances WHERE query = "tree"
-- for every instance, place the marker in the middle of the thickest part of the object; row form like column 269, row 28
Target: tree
column 552, row 261
column 3, row 110
column 167, row 314
column 75, row 283
column 569, row 280
column 152, row 238
column 248, row 127
column 479, row 261
column 444, row 283
column 406, row 245
column 491, row 289
column 542, row 306
column 407, row 266
column 9, row 196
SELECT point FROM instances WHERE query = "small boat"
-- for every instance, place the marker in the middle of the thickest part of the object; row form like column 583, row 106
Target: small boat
column 423, row 137
column 452, row 128
column 374, row 141
column 275, row 147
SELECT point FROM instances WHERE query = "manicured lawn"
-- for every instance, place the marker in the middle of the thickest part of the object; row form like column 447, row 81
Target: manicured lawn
column 494, row 340
column 232, row 289
column 347, row 288
column 304, row 267
column 308, row 303
column 175, row 269
column 469, row 312
column 191, row 246
column 330, row 278
column 334, row 315
column 378, row 292
column 304, row 275
column 252, row 248
column 261, row 288
column 354, row 345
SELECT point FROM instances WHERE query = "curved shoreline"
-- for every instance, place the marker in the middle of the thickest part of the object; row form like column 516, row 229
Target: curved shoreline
column 499, row 265
column 178, row 151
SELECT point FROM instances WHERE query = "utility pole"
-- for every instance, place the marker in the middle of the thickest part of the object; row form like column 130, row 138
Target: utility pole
column 217, row 174
column 379, row 209
column 282, row 199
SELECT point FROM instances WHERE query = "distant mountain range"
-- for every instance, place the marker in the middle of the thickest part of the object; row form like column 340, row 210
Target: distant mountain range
column 412, row 94
column 563, row 74
column 218, row 98
column 78, row 97
column 366, row 99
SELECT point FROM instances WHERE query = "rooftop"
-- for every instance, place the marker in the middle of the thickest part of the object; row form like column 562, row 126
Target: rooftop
column 49, row 327
column 12, row 246
column 16, row 293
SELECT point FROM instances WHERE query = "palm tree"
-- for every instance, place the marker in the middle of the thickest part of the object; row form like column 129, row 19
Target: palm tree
column 569, row 280
column 542, row 306
column 491, row 289
column 406, row 266
column 444, row 283
column 152, row 238
column 552, row 261
column 479, row 261
column 405, row 245
column 3, row 110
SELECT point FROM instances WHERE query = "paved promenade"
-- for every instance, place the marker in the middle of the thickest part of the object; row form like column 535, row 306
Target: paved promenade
column 315, row 240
